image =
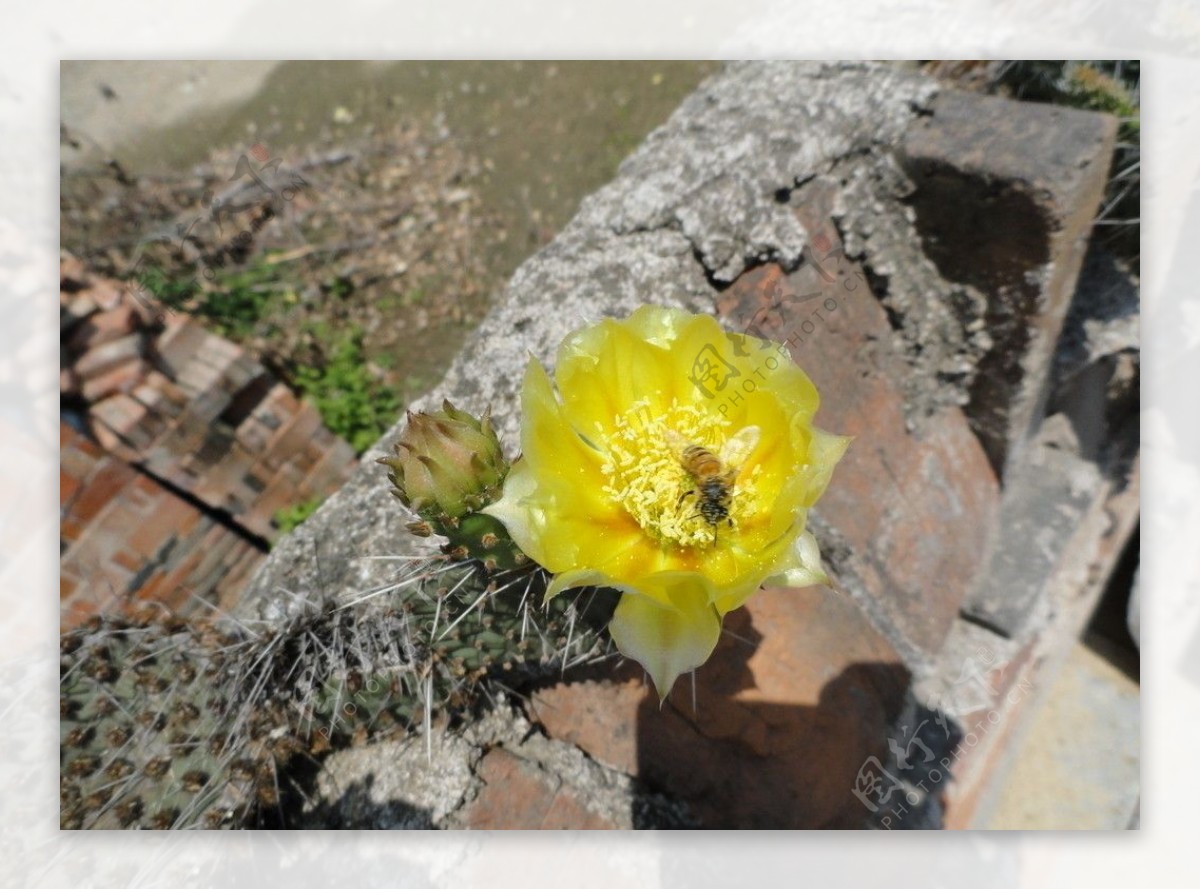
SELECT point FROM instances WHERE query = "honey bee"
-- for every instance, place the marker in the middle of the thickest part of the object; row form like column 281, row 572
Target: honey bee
column 714, row 474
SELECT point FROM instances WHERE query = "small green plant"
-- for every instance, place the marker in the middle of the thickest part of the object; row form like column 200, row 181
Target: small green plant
column 240, row 301
column 233, row 308
column 352, row 403
column 339, row 287
column 171, row 292
column 287, row 518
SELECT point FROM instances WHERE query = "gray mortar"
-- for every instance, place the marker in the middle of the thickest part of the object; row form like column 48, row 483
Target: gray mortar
column 939, row 326
column 405, row 784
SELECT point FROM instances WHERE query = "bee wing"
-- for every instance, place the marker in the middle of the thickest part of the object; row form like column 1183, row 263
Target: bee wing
column 678, row 441
column 739, row 446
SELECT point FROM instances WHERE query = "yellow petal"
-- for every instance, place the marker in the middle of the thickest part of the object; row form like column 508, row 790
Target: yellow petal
column 576, row 578
column 806, row 570
column 667, row 640
column 553, row 503
column 737, row 375
column 801, row 567
column 604, row 369
column 824, row 452
column 523, row 516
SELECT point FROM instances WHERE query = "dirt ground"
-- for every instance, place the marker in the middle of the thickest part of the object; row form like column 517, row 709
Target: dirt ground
column 336, row 212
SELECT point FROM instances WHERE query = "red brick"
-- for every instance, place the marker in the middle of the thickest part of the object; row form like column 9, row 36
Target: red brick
column 305, row 458
column 196, row 378
column 152, row 398
column 71, row 272
column 293, row 437
column 68, row 383
column 159, row 393
column 147, row 538
column 104, row 486
column 167, row 516
column 114, row 445
column 1021, row 679
column 240, row 571
column 797, row 696
column 149, row 310
column 70, row 530
column 254, row 434
column 76, row 611
column 106, row 293
column 518, row 795
column 208, row 571
column 173, row 590
column 275, row 412
column 177, row 344
column 226, row 477
column 76, row 462
column 218, row 353
column 74, row 310
column 323, row 438
column 104, row 535
column 915, row 485
column 283, row 491
column 217, row 447
column 123, row 415
column 189, row 522
column 143, row 493
column 70, row 438
column 103, row 327
column 152, row 587
column 240, row 371
column 127, row 560
column 108, row 355
column 568, row 811
column 176, row 448
column 68, row 486
column 331, row 471
column 116, row 379
column 1005, row 196
column 205, row 407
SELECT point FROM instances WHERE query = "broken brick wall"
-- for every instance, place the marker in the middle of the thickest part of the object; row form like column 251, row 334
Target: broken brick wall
column 178, row 449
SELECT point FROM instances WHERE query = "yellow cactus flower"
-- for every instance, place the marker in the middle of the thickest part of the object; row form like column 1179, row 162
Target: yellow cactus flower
column 676, row 463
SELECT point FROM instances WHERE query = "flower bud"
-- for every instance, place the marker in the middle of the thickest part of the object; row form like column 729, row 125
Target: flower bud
column 446, row 464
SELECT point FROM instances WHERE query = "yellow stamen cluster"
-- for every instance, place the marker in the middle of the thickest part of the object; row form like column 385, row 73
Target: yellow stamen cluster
column 646, row 476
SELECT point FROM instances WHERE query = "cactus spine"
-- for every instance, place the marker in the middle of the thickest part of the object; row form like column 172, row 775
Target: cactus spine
column 171, row 724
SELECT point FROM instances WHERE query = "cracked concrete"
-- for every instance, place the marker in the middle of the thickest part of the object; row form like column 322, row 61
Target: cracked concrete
column 938, row 325
column 403, row 784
